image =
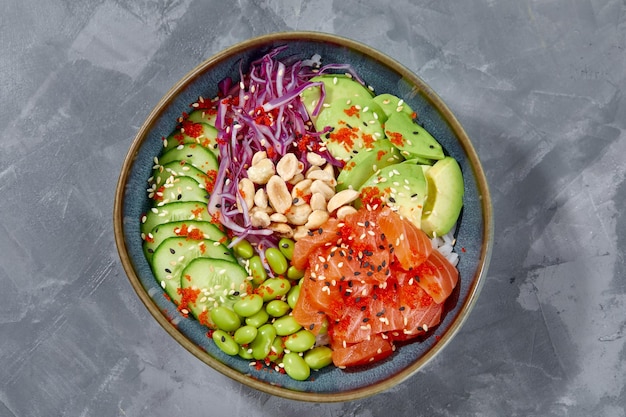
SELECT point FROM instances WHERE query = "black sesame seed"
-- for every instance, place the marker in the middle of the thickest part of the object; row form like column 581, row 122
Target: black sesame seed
column 172, row 251
column 401, row 308
column 168, row 270
column 366, row 319
column 382, row 236
column 363, row 308
column 311, row 326
column 393, row 200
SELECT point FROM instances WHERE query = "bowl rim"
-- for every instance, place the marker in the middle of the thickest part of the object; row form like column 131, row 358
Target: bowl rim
column 433, row 99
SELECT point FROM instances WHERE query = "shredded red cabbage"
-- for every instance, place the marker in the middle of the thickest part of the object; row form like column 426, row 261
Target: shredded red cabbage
column 263, row 112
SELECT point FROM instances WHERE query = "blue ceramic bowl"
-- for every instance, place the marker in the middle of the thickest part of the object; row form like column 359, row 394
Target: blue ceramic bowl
column 474, row 234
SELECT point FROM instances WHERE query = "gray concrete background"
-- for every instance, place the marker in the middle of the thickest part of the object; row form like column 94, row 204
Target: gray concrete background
column 539, row 87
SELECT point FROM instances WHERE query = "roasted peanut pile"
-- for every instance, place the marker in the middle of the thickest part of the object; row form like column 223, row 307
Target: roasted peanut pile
column 284, row 198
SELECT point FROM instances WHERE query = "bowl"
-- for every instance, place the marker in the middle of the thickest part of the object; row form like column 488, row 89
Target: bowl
column 473, row 235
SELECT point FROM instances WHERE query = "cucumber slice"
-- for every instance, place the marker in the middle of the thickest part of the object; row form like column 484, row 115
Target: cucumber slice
column 210, row 283
column 188, row 210
column 180, row 189
column 194, row 154
column 179, row 168
column 203, row 116
column 175, row 253
column 190, row 229
column 207, row 138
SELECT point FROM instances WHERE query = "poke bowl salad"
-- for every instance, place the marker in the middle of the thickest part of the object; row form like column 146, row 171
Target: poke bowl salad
column 305, row 217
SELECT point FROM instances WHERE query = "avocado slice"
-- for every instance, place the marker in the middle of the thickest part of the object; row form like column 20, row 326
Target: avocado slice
column 366, row 163
column 392, row 104
column 445, row 197
column 355, row 125
column 402, row 187
column 411, row 139
column 336, row 86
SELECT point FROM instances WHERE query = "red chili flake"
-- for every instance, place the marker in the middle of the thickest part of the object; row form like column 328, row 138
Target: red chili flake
column 202, row 248
column 195, row 234
column 180, row 138
column 192, row 129
column 271, row 152
column 203, row 318
column 188, row 295
column 463, row 250
column 344, row 136
column 413, row 115
column 368, row 141
column 396, row 138
column 223, row 240
column 197, row 212
column 380, row 155
column 210, row 181
column 158, row 195
column 215, row 218
column 371, row 196
column 349, row 166
column 352, row 111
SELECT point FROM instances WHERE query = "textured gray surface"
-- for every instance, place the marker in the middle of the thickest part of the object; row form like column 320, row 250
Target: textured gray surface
column 539, row 87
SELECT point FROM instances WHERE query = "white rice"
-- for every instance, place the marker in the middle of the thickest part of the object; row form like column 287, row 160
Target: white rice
column 445, row 245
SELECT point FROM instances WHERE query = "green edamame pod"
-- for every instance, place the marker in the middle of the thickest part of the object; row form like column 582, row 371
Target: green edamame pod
column 257, row 270
column 225, row 342
column 295, row 366
column 286, row 246
column 258, row 319
column 274, row 288
column 276, row 350
column 248, row 305
column 300, row 341
column 262, row 343
column 293, row 295
column 294, row 273
column 243, row 249
column 245, row 334
column 245, row 353
column 276, row 260
column 225, row 318
column 319, row 357
column 277, row 308
column 286, row 325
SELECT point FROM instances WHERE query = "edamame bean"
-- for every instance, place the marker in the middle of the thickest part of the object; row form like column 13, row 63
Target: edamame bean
column 248, row 305
column 276, row 350
column 319, row 357
column 293, row 295
column 258, row 319
column 276, row 260
column 225, row 342
column 277, row 308
column 286, row 246
column 245, row 334
column 294, row 273
column 225, row 318
column 274, row 288
column 245, row 353
column 286, row 325
column 262, row 343
column 258, row 272
column 244, row 249
column 300, row 341
column 295, row 366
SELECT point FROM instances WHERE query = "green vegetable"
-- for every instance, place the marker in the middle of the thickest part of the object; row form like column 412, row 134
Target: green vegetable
column 296, row 367
column 319, row 357
column 225, row 342
column 276, row 260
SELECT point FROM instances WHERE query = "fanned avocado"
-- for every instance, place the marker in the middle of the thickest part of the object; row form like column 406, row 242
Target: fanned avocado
column 411, row 139
column 402, row 187
column 392, row 104
column 445, row 197
column 355, row 125
column 366, row 163
column 336, row 87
